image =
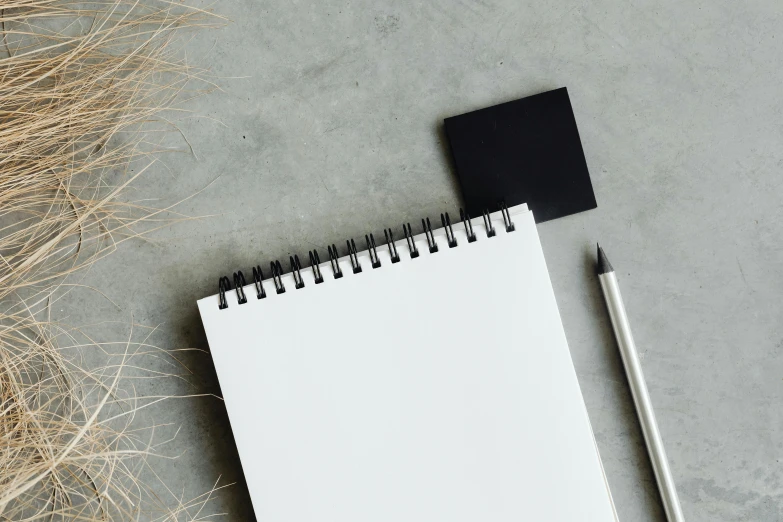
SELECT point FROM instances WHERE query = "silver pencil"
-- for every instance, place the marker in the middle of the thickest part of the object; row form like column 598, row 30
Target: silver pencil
column 641, row 398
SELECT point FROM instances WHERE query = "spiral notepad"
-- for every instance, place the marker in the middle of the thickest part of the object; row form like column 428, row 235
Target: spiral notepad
column 424, row 377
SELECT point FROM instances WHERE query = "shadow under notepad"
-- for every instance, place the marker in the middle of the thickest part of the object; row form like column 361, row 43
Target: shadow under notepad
column 218, row 446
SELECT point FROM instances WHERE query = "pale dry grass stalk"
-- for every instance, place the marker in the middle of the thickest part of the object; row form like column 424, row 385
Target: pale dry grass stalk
column 78, row 90
column 82, row 88
column 71, row 449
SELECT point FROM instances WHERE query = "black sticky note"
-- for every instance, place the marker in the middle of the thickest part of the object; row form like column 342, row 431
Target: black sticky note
column 524, row 151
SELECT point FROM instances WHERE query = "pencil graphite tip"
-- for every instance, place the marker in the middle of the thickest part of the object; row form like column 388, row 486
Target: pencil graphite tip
column 604, row 265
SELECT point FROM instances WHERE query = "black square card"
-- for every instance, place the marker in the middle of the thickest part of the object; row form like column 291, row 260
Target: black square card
column 524, row 151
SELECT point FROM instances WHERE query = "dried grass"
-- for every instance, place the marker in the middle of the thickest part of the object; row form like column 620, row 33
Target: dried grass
column 76, row 110
column 71, row 446
column 82, row 90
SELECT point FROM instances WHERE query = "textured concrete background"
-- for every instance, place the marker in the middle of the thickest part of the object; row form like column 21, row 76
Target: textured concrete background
column 331, row 127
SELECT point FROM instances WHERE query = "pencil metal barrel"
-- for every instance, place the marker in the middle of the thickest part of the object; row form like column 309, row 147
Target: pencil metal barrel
column 641, row 397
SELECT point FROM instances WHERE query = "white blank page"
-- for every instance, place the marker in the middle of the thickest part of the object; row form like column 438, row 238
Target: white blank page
column 436, row 388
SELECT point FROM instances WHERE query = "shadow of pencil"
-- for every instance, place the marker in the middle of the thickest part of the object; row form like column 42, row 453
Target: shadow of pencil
column 641, row 459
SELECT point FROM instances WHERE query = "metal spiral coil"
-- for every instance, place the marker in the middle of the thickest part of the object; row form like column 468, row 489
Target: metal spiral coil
column 258, row 280
column 277, row 277
column 395, row 257
column 450, row 239
column 224, row 283
column 374, row 261
column 239, row 286
column 430, row 236
column 315, row 263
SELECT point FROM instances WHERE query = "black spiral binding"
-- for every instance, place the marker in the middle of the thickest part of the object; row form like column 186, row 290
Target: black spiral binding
column 506, row 217
column 376, row 263
column 354, row 257
column 450, row 239
column 488, row 224
column 296, row 270
column 430, row 236
column 465, row 217
column 277, row 277
column 315, row 263
column 409, row 239
column 258, row 280
column 395, row 257
column 224, row 283
column 333, row 261
column 239, row 284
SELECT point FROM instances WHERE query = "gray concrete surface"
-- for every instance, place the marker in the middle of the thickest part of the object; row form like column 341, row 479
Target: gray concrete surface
column 331, row 127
